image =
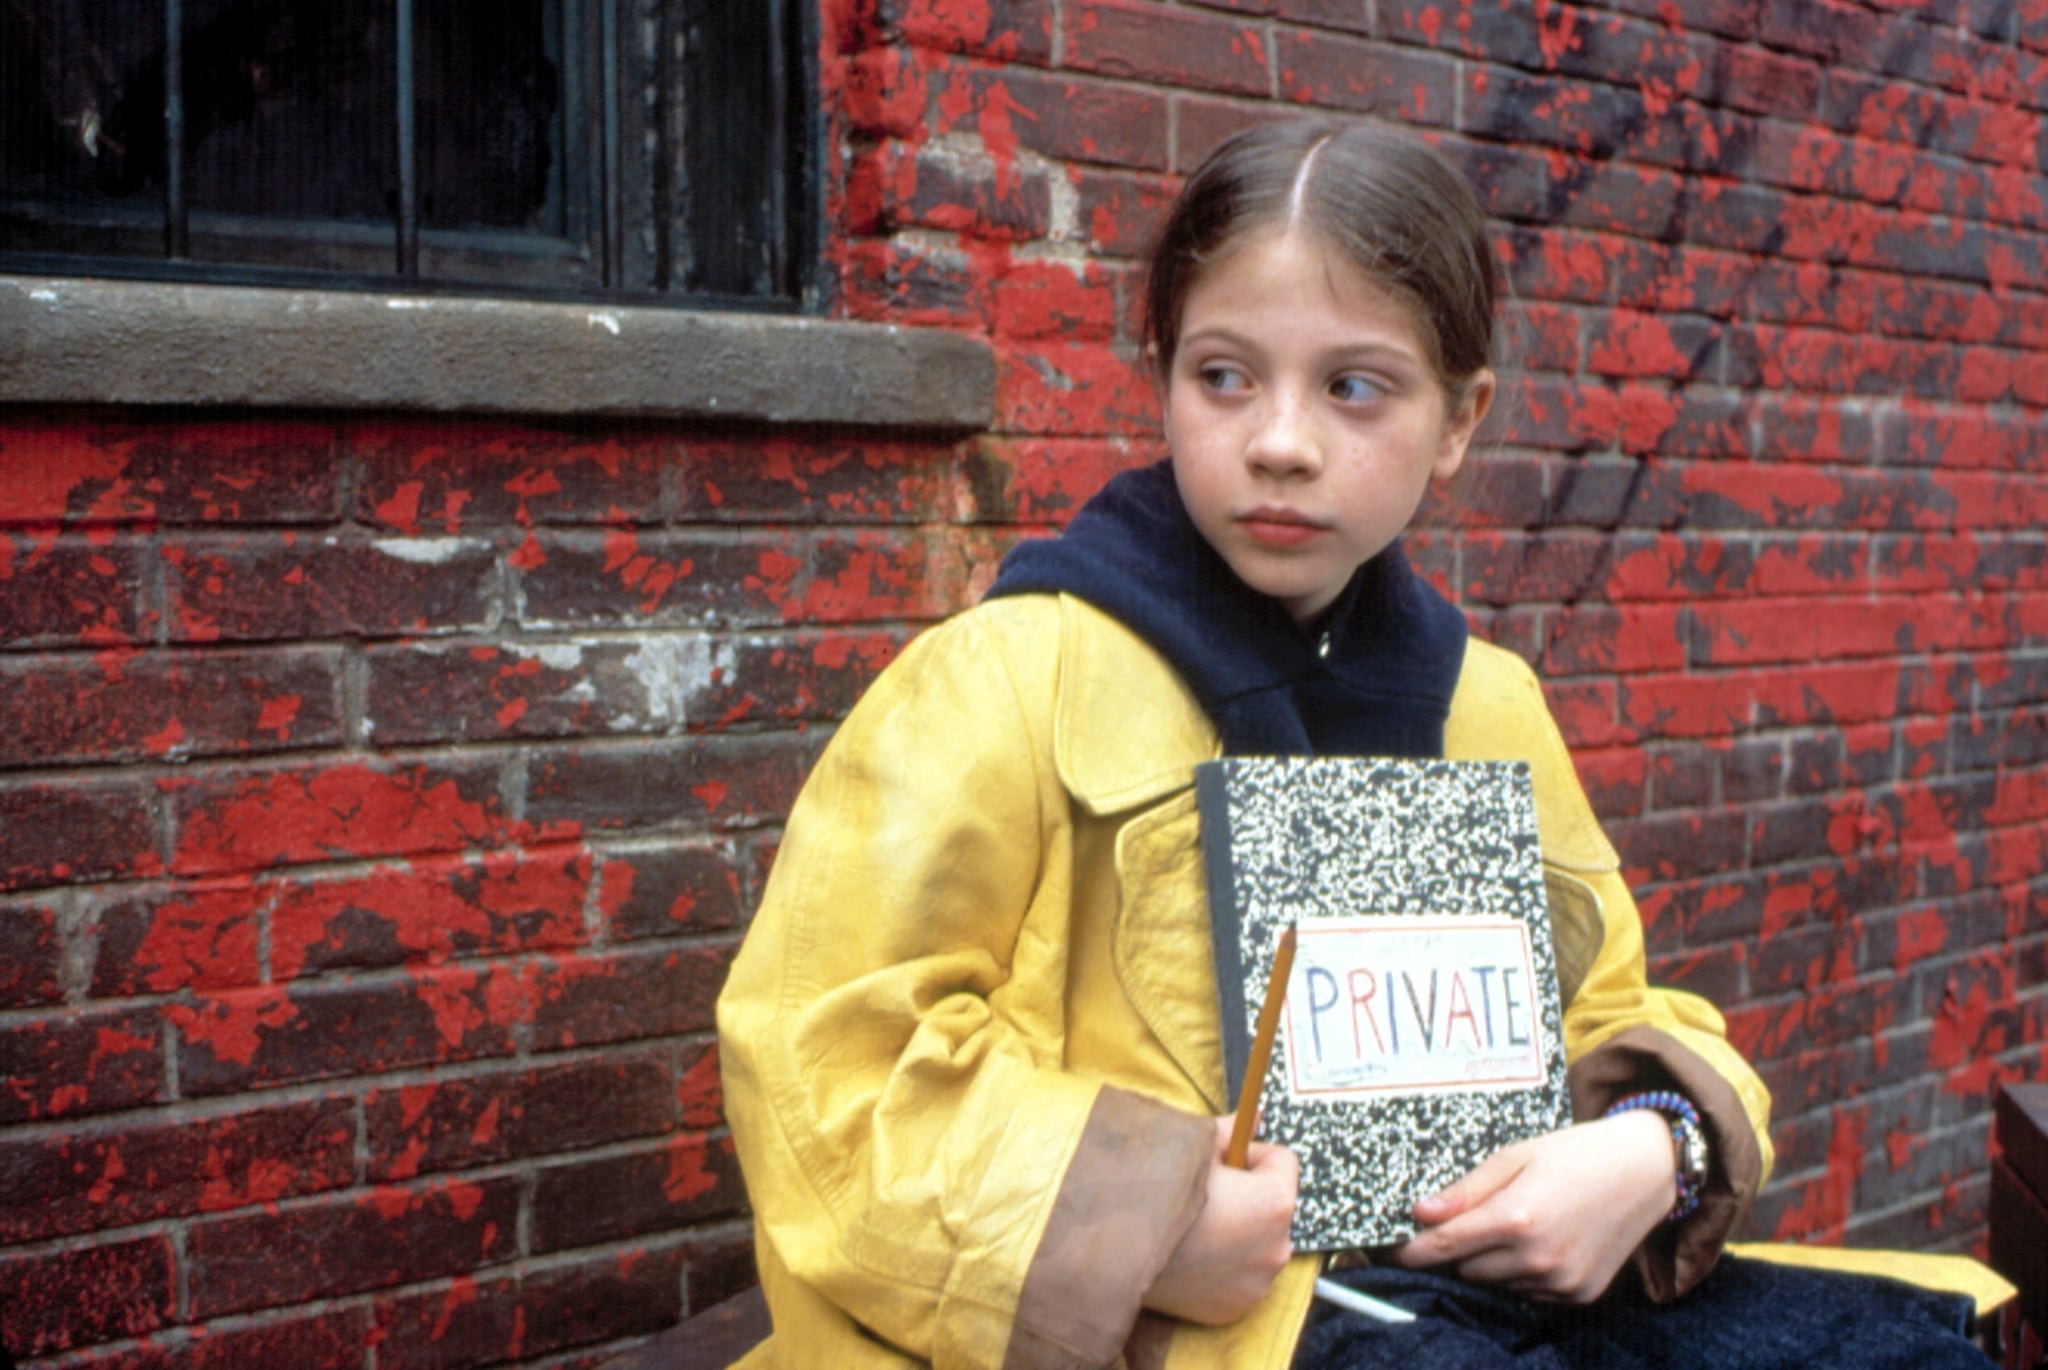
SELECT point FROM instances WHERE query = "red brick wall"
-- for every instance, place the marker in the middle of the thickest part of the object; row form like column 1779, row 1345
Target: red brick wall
column 380, row 798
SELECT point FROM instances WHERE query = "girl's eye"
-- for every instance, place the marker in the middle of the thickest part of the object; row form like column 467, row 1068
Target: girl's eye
column 1223, row 380
column 1356, row 390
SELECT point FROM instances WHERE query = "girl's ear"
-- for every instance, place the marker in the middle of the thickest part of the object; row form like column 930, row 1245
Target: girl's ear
column 1468, row 412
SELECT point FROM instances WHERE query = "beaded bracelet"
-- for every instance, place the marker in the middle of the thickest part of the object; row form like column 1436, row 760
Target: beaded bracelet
column 1688, row 1136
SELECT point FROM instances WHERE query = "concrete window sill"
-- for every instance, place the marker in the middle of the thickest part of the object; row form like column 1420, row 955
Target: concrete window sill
column 68, row 340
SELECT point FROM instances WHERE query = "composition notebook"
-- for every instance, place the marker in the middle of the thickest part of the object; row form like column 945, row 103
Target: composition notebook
column 1421, row 1029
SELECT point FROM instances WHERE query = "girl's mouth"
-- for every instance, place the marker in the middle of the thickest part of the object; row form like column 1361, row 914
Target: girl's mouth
column 1278, row 527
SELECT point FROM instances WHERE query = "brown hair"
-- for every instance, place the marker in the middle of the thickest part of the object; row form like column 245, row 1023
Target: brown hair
column 1400, row 212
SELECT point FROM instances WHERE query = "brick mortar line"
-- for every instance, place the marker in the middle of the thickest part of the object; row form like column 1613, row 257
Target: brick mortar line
column 113, row 888
column 1871, row 1217
column 169, row 882
column 167, row 1043
column 1900, row 1092
column 386, row 976
column 354, row 714
column 523, row 1212
column 262, row 763
column 364, row 1300
column 511, row 639
column 361, row 1155
column 181, row 1273
column 229, row 1107
column 527, row 1171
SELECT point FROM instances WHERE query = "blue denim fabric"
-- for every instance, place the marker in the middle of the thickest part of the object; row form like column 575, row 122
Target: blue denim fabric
column 1746, row 1315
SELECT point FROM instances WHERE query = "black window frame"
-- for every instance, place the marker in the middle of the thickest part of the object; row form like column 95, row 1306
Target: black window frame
column 649, row 188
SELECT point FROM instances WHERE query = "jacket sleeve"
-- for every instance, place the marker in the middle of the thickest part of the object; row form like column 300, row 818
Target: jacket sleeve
column 1623, row 1034
column 892, row 1037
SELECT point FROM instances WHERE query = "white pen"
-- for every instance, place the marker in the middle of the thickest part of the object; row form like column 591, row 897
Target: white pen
column 1346, row 1297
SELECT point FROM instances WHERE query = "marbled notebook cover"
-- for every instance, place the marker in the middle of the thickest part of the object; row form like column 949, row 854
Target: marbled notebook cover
column 1411, row 884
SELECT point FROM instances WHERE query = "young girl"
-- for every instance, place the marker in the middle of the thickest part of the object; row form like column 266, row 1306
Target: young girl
column 971, row 1049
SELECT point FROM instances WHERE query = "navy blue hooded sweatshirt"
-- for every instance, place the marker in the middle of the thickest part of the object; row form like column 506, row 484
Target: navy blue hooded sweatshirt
column 1374, row 679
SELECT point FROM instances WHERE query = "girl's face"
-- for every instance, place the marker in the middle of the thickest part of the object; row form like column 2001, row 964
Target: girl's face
column 1305, row 418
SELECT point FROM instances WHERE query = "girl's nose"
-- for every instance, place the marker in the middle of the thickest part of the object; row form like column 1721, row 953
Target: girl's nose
column 1285, row 442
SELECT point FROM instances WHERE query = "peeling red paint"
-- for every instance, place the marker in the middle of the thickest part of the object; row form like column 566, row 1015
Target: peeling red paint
column 434, row 911
column 111, row 1042
column 413, row 1103
column 63, row 1099
column 621, row 546
column 698, row 1093
column 206, row 939
column 263, row 1179
column 778, row 572
column 279, row 714
column 61, row 473
column 615, row 889
column 688, row 1174
column 1965, row 1041
column 316, row 814
column 1576, row 262
column 402, row 509
column 464, row 1198
column 391, row 1202
column 1921, row 936
column 638, row 571
column 1823, row 1212
column 532, row 483
column 1634, row 416
column 1637, row 345
column 999, row 134
column 529, row 555
column 230, row 1025
column 885, row 91
column 1052, row 300
column 486, row 1129
column 871, row 584
column 161, row 742
column 103, row 1188
column 461, row 1294
column 1902, row 1143
column 450, row 995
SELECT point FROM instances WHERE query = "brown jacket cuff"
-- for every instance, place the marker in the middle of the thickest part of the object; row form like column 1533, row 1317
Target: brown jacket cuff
column 1674, row 1258
column 1138, row 1181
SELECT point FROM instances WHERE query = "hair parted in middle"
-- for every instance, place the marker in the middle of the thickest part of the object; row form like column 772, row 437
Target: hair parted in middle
column 1390, row 204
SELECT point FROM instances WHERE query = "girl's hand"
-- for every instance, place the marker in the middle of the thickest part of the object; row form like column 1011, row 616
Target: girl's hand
column 1556, row 1216
column 1226, row 1262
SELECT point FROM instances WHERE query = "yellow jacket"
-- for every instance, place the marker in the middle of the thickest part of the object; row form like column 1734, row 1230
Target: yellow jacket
column 970, row 1046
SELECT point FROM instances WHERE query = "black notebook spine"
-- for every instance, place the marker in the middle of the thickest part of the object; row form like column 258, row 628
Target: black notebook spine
column 1212, row 804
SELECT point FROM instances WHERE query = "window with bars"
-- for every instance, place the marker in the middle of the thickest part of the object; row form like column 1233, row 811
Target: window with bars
column 651, row 149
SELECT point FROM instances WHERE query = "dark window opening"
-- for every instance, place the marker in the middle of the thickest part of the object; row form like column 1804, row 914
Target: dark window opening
column 656, row 149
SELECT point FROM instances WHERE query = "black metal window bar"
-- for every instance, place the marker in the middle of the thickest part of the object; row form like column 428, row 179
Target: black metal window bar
column 616, row 148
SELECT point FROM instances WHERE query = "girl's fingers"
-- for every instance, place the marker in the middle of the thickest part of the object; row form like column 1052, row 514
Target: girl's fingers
column 1266, row 1156
column 1480, row 1184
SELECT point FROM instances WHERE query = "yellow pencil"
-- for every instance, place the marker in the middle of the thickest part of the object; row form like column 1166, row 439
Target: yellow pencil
column 1262, row 1052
